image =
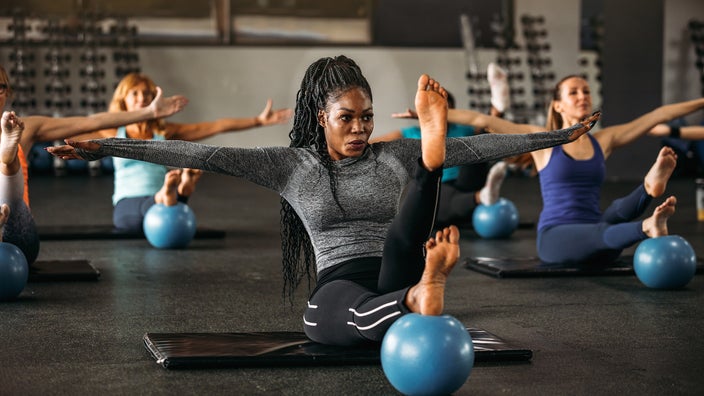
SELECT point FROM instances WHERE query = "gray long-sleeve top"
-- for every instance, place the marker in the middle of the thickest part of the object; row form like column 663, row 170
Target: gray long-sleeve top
column 369, row 187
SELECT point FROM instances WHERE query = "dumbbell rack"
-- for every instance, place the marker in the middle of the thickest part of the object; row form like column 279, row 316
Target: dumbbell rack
column 92, row 72
column 57, row 90
column 57, row 72
column 510, row 62
column 81, row 45
column 478, row 90
column 125, row 56
column 22, row 71
column 590, row 62
column 696, row 36
column 540, row 64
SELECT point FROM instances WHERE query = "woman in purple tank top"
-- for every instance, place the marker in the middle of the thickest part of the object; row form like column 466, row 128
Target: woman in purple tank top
column 571, row 176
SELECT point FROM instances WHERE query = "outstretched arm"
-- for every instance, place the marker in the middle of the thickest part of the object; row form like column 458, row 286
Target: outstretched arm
column 692, row 132
column 490, row 123
column 488, row 146
column 46, row 129
column 268, row 167
column 388, row 137
column 202, row 130
column 620, row 135
column 478, row 120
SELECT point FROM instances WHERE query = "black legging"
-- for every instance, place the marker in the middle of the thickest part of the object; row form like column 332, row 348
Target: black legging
column 128, row 214
column 457, row 198
column 21, row 231
column 356, row 301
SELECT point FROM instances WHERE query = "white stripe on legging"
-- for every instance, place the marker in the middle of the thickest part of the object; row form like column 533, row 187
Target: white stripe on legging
column 307, row 323
column 373, row 310
column 375, row 323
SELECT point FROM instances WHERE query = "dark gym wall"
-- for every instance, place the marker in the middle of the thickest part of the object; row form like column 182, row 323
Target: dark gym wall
column 429, row 23
column 632, row 77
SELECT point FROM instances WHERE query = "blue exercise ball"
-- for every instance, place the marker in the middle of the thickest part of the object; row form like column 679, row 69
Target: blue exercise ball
column 169, row 227
column 666, row 262
column 427, row 355
column 40, row 160
column 498, row 220
column 107, row 165
column 14, row 271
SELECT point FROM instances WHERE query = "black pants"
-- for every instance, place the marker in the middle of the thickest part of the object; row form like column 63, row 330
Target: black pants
column 457, row 198
column 356, row 301
column 21, row 231
column 128, row 214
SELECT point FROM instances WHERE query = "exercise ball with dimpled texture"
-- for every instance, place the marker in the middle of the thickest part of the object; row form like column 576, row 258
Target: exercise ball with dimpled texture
column 14, row 271
column 498, row 220
column 169, row 227
column 666, row 262
column 427, row 355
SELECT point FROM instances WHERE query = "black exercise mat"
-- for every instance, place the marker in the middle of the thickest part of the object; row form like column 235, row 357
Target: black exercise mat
column 93, row 232
column 259, row 349
column 525, row 267
column 526, row 225
column 62, row 270
column 522, row 225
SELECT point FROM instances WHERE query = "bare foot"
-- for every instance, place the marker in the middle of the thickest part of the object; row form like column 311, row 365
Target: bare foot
column 12, row 127
column 489, row 194
column 427, row 297
column 4, row 215
column 585, row 125
column 189, row 179
column 498, row 83
column 656, row 225
column 656, row 180
column 431, row 106
column 168, row 195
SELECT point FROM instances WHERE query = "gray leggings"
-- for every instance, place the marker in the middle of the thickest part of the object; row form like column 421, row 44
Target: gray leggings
column 19, row 229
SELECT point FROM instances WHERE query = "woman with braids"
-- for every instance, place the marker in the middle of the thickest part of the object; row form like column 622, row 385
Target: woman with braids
column 341, row 198
column 571, row 177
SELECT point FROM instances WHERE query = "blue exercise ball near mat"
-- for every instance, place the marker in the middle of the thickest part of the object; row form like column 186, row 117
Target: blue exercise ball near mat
column 169, row 227
column 427, row 355
column 666, row 262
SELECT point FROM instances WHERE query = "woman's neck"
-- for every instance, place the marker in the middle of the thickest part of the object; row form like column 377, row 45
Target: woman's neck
column 138, row 131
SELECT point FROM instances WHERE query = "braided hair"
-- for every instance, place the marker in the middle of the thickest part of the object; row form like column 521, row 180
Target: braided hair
column 326, row 80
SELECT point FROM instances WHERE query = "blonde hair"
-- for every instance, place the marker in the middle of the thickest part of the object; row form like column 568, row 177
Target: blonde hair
column 127, row 83
column 554, row 120
column 4, row 79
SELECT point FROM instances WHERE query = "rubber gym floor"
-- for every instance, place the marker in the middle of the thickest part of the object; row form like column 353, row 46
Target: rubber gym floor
column 602, row 335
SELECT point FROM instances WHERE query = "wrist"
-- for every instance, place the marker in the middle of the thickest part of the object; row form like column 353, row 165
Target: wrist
column 675, row 131
column 149, row 113
column 257, row 122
